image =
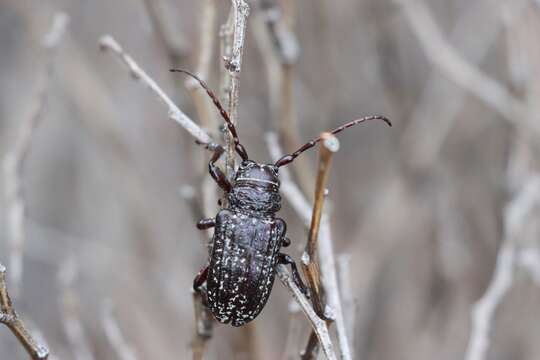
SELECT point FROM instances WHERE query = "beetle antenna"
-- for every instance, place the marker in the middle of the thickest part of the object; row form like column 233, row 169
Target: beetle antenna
column 287, row 159
column 238, row 147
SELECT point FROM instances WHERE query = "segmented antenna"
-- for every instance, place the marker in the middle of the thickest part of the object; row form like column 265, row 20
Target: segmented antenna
column 238, row 147
column 287, row 159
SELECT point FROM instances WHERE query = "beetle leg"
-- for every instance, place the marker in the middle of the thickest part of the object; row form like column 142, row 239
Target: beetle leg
column 285, row 241
column 200, row 279
column 204, row 224
column 214, row 170
column 287, row 260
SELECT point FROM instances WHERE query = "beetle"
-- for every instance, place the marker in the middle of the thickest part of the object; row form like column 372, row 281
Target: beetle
column 248, row 236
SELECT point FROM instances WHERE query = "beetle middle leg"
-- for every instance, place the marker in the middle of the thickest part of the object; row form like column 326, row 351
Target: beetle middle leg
column 287, row 260
column 204, row 224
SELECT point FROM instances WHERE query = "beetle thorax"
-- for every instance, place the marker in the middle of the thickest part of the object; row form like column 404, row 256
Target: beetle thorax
column 256, row 189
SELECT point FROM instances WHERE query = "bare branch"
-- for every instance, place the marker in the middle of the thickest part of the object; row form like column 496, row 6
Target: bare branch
column 71, row 320
column 327, row 262
column 318, row 325
column 329, row 146
column 174, row 41
column 11, row 319
column 233, row 35
column 123, row 350
column 108, row 43
column 13, row 164
column 483, row 311
column 457, row 69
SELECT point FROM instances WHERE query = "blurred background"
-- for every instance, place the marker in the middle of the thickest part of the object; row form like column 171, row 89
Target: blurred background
column 420, row 210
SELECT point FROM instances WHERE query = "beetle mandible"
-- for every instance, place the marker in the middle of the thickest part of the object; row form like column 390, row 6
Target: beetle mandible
column 247, row 236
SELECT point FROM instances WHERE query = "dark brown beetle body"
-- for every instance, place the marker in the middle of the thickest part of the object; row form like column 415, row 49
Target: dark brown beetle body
column 248, row 236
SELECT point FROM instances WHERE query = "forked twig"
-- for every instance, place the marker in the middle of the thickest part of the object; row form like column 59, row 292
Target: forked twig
column 10, row 318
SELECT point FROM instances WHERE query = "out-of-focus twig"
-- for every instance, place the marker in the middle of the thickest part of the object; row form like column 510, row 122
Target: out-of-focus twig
column 108, row 43
column 515, row 216
column 123, row 350
column 71, row 320
column 294, row 334
column 203, row 327
column 457, row 69
column 326, row 258
column 174, row 41
column 11, row 319
column 13, row 164
column 273, row 30
column 319, row 326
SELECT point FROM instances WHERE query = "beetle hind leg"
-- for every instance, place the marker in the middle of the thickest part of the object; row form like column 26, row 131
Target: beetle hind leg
column 287, row 260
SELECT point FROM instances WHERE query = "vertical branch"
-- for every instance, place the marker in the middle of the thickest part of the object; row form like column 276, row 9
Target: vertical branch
column 327, row 263
column 13, row 164
column 329, row 146
column 10, row 318
column 233, row 36
column 71, row 320
column 273, row 30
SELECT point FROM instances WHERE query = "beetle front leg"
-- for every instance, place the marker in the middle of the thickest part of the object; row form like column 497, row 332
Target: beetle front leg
column 204, row 224
column 214, row 170
column 287, row 260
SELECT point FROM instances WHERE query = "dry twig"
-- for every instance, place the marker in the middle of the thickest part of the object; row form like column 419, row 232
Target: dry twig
column 327, row 263
column 203, row 327
column 13, row 165
column 11, row 319
column 319, row 326
column 233, row 34
column 107, row 43
column 123, row 350
column 515, row 216
column 71, row 319
column 329, row 145
column 457, row 69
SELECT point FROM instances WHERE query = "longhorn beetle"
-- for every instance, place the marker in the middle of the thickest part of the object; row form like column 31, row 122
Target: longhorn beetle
column 248, row 236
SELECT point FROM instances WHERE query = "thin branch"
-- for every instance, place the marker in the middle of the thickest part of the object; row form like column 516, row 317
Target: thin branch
column 515, row 216
column 327, row 263
column 174, row 41
column 123, row 350
column 457, row 69
column 278, row 44
column 319, row 326
column 108, row 43
column 13, row 164
column 329, row 146
column 233, row 37
column 71, row 320
column 10, row 318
